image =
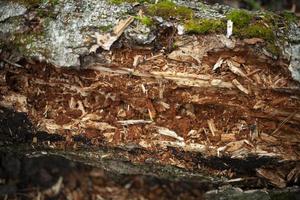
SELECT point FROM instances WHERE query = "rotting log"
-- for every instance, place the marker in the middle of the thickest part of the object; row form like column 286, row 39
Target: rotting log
column 188, row 107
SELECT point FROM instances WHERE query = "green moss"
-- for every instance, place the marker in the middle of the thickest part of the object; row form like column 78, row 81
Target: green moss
column 167, row 9
column 259, row 31
column 202, row 26
column 20, row 41
column 147, row 21
column 240, row 18
column 289, row 17
column 118, row 2
column 273, row 49
column 105, row 28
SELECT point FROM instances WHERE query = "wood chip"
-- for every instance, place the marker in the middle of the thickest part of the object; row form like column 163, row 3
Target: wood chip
column 134, row 121
column 218, row 64
column 234, row 68
column 107, row 39
column 218, row 83
column 194, row 147
column 267, row 138
column 212, row 127
column 137, row 60
column 99, row 125
column 228, row 137
column 240, row 86
column 272, row 176
column 55, row 189
column 168, row 132
column 253, row 41
column 294, row 174
column 234, row 146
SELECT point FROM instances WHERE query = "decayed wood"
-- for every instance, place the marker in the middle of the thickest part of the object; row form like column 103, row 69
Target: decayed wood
column 212, row 109
column 217, row 120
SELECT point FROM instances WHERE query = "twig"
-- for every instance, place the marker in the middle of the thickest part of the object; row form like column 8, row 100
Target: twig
column 284, row 122
column 12, row 63
column 253, row 72
column 133, row 122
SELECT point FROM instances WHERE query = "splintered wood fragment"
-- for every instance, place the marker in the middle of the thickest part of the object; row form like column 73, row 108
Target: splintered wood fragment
column 150, row 114
column 165, row 105
column 98, row 125
column 235, row 180
column 144, row 89
column 183, row 79
column 55, row 189
column 212, row 127
column 285, row 121
column 218, row 64
column 12, row 63
column 101, row 68
column 233, row 67
column 154, row 57
column 221, row 84
column 107, row 39
column 137, row 60
column 294, row 174
column 181, row 75
column 192, row 83
column 259, row 105
column 267, row 138
column 133, row 122
column 15, row 100
column 253, row 41
column 275, row 112
column 193, row 147
column 272, row 176
column 240, row 86
column 233, row 146
column 168, row 132
column 228, row 137
column 253, row 72
column 288, row 90
column 122, row 25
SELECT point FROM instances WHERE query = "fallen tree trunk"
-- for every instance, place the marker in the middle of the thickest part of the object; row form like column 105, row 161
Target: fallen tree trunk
column 201, row 108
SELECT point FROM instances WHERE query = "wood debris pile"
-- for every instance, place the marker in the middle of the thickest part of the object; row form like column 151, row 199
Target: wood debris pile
column 230, row 102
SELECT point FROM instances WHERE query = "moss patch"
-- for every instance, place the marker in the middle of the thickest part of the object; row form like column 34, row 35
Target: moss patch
column 202, row 26
column 240, row 18
column 147, row 21
column 118, row 2
column 105, row 28
column 289, row 17
column 167, row 9
column 259, row 31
